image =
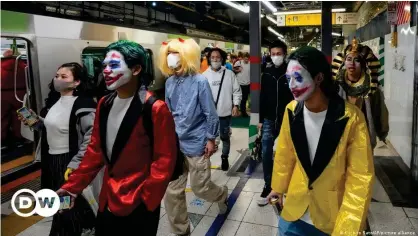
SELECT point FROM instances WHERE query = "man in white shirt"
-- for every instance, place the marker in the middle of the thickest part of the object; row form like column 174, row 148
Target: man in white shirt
column 243, row 77
column 227, row 95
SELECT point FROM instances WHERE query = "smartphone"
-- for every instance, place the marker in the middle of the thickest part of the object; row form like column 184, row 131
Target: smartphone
column 65, row 202
column 30, row 118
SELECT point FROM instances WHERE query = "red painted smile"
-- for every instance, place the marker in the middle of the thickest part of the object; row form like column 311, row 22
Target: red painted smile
column 110, row 80
column 298, row 92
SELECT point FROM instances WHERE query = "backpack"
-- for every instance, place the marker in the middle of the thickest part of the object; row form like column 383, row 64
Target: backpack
column 149, row 129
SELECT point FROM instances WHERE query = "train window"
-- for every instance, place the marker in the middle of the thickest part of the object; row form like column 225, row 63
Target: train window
column 17, row 145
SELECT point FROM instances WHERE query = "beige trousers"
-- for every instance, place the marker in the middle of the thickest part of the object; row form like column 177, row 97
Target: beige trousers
column 202, row 187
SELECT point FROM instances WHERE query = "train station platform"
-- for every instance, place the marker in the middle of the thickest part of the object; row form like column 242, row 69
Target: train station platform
column 387, row 216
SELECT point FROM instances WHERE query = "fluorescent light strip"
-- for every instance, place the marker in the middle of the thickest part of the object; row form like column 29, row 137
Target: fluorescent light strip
column 336, row 34
column 307, row 11
column 269, row 6
column 245, row 9
column 275, row 32
column 272, row 19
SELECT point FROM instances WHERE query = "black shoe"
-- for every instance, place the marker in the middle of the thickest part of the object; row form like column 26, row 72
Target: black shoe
column 225, row 163
column 262, row 201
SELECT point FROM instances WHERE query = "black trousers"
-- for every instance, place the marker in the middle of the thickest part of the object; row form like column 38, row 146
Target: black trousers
column 140, row 222
column 69, row 222
column 245, row 89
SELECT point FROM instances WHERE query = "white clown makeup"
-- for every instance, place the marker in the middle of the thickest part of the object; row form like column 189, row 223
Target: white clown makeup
column 116, row 72
column 300, row 81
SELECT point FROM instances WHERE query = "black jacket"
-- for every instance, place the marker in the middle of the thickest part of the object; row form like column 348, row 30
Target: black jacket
column 275, row 94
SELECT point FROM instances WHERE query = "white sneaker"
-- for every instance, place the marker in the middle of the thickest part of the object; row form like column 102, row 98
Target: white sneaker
column 262, row 201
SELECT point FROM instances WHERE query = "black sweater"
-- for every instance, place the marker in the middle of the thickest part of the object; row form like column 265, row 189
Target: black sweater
column 275, row 94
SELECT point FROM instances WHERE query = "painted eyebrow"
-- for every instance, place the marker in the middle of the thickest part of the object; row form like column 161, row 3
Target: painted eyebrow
column 297, row 74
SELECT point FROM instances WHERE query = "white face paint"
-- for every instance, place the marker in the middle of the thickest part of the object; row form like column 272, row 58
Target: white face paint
column 300, row 81
column 116, row 72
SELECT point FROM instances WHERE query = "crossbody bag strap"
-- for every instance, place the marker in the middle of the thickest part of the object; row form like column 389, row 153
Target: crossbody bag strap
column 220, row 88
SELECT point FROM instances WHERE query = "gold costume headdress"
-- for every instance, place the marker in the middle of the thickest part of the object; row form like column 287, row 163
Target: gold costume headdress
column 369, row 81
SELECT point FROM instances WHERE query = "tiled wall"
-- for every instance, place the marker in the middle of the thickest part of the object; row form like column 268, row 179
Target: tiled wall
column 399, row 80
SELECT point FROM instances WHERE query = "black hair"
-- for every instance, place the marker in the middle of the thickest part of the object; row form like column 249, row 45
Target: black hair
column 79, row 74
column 207, row 49
column 315, row 62
column 222, row 52
column 51, row 99
column 278, row 44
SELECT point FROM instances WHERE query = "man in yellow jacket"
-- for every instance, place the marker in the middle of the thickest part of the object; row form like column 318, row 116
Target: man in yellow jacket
column 323, row 170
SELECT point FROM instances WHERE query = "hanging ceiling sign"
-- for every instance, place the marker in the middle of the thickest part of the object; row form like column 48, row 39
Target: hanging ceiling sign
column 202, row 34
column 392, row 14
column 281, row 20
column 346, row 18
column 305, row 19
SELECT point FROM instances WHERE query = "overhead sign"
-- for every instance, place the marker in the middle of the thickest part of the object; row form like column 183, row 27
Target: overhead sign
column 346, row 18
column 305, row 19
column 281, row 20
column 392, row 14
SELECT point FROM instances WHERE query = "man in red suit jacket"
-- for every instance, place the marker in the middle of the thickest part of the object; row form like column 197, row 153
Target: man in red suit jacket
column 138, row 169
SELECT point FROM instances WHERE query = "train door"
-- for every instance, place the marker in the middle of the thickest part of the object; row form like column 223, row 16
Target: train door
column 17, row 140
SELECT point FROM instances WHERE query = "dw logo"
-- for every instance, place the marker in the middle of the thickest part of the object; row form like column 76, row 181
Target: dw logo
column 47, row 202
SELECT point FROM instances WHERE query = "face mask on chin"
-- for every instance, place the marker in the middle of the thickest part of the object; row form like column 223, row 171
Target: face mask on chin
column 216, row 65
column 277, row 60
column 173, row 60
column 300, row 81
column 61, row 85
column 116, row 72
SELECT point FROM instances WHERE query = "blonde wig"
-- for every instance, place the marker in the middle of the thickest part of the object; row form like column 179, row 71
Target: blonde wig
column 189, row 52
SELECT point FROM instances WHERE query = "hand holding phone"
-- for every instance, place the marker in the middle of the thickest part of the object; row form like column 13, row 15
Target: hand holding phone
column 65, row 202
column 28, row 117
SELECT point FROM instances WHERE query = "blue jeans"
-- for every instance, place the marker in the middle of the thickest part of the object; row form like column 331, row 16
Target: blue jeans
column 224, row 126
column 269, row 134
column 298, row 228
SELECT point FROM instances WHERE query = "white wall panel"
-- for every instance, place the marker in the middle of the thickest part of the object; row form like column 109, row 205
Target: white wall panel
column 399, row 79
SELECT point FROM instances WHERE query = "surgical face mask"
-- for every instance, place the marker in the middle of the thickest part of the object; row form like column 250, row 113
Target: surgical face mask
column 277, row 60
column 300, row 81
column 62, row 85
column 173, row 60
column 215, row 64
column 116, row 72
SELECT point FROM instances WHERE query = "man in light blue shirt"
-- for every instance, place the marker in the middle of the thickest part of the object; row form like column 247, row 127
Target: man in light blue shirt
column 189, row 98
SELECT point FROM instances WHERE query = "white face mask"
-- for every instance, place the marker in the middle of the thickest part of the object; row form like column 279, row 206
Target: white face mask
column 300, row 81
column 215, row 64
column 173, row 60
column 116, row 72
column 277, row 60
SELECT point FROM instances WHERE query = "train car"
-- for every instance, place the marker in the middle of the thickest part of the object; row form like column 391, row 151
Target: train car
column 39, row 45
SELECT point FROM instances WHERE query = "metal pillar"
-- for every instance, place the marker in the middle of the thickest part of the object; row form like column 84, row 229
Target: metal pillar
column 414, row 157
column 326, row 29
column 255, row 68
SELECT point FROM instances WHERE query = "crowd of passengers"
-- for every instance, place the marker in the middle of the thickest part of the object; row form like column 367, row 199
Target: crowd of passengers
column 133, row 148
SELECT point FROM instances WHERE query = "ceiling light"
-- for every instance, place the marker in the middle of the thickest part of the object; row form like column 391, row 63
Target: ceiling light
column 272, row 19
column 154, row 4
column 262, row 15
column 336, row 34
column 245, row 9
column 270, row 6
column 275, row 32
column 307, row 11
